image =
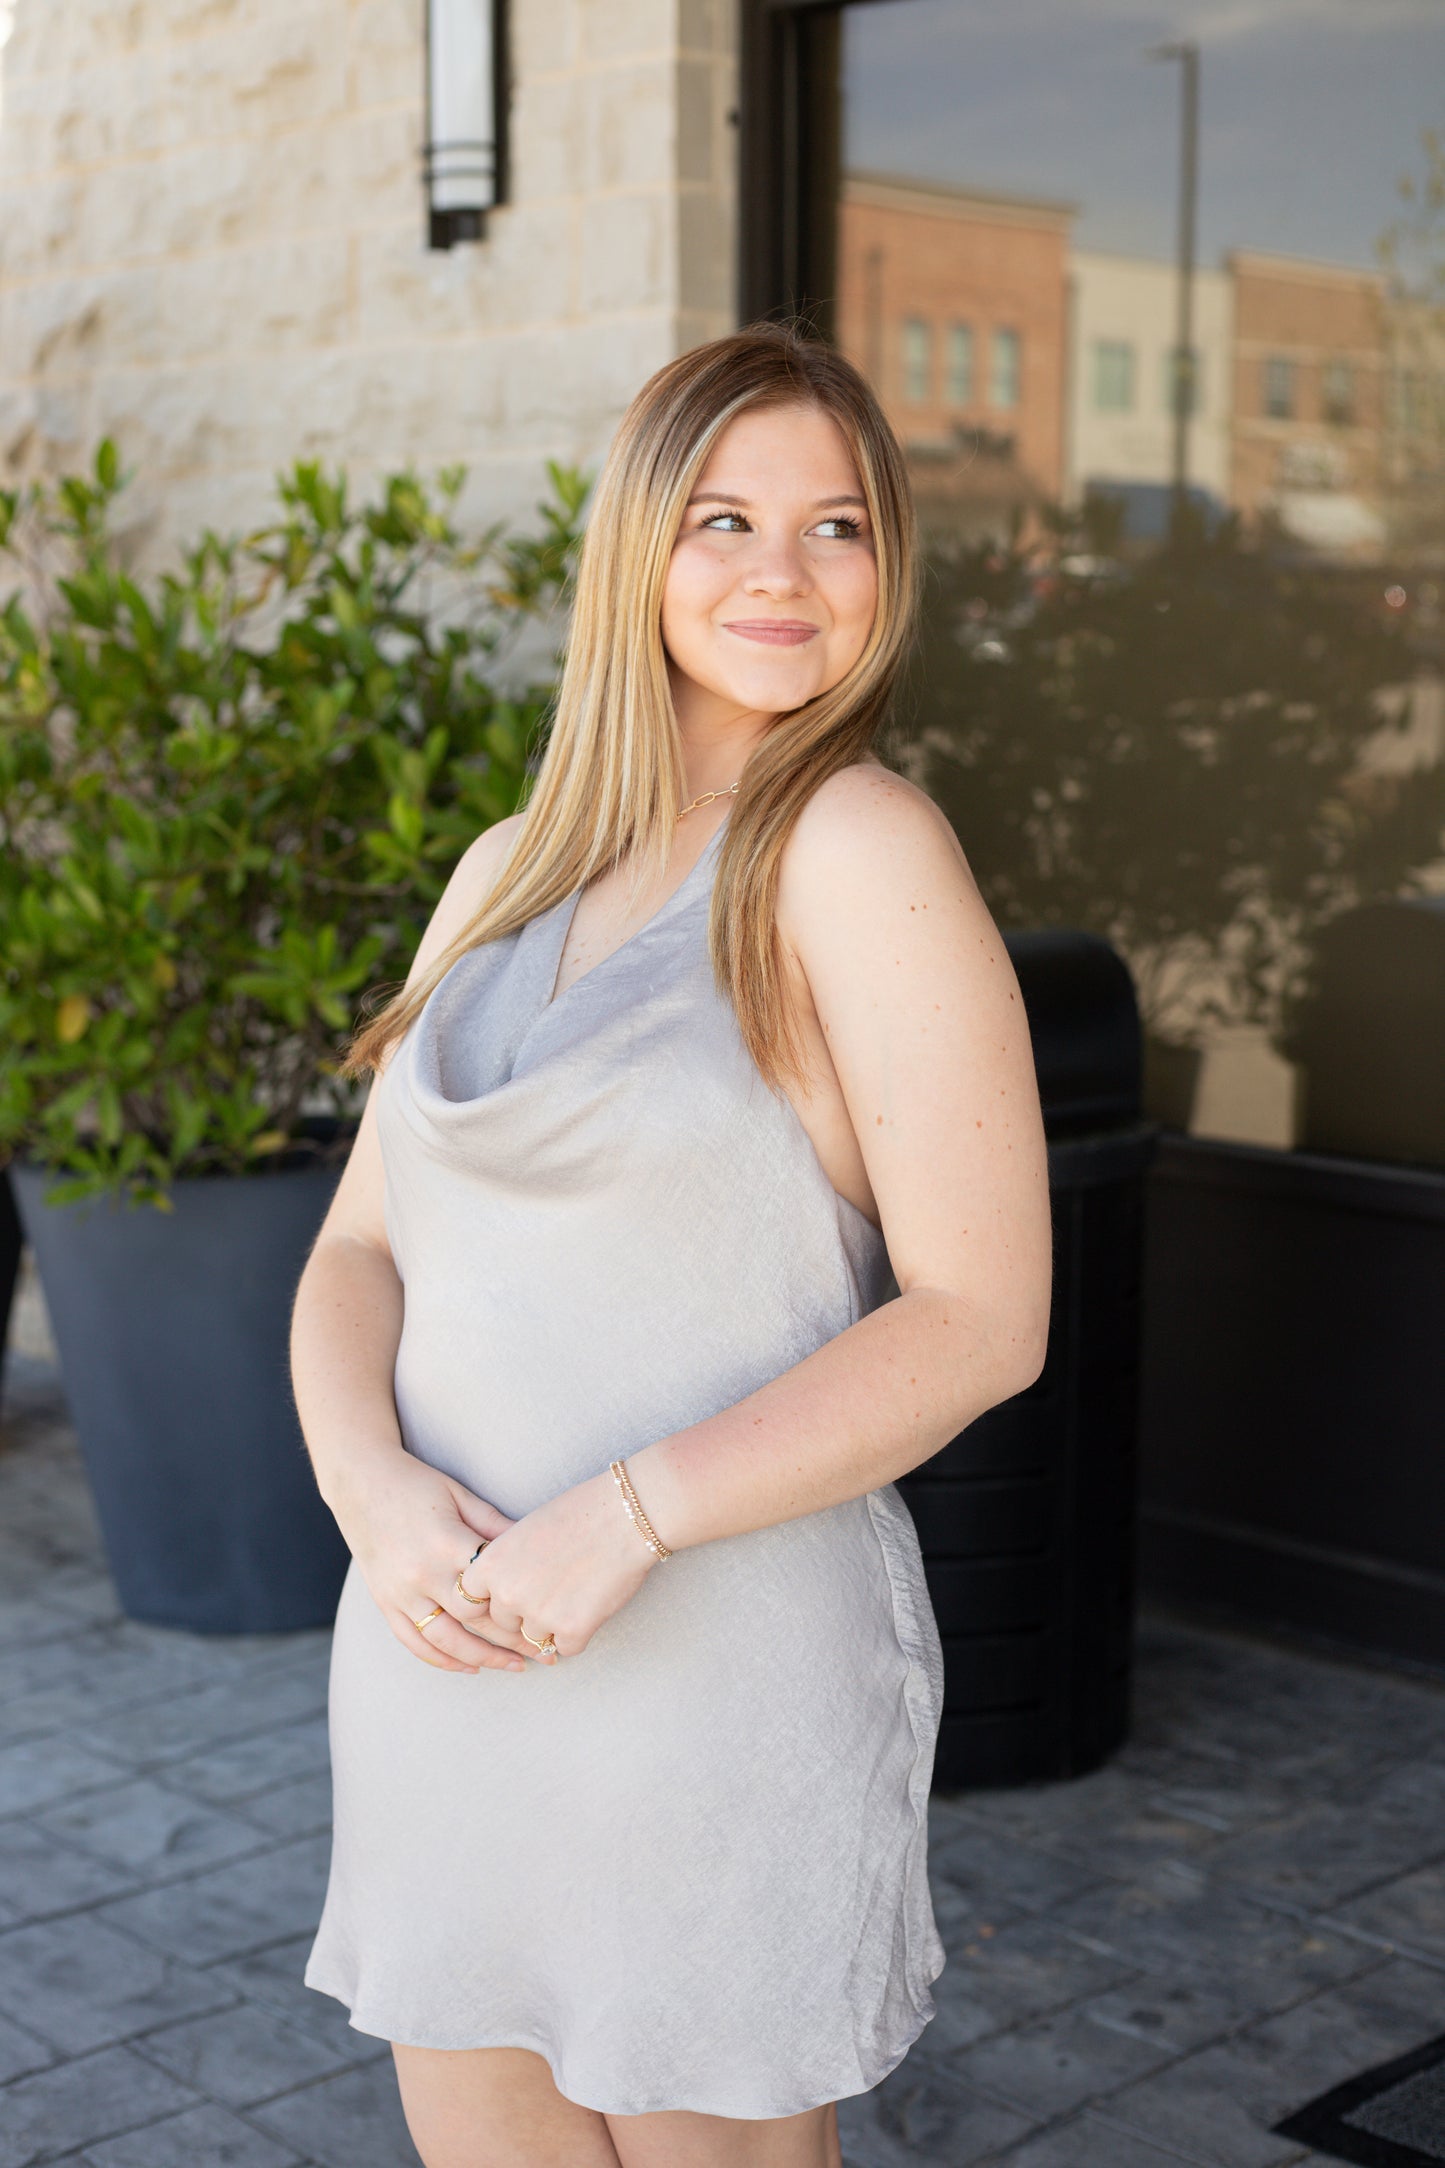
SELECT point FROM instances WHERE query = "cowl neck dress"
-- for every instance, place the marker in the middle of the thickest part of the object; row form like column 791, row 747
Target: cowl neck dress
column 687, row 1866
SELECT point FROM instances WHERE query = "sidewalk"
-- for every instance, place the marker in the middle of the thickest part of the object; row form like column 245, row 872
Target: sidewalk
column 1147, row 1967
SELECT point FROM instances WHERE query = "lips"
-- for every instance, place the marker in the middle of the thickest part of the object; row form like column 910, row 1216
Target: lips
column 773, row 631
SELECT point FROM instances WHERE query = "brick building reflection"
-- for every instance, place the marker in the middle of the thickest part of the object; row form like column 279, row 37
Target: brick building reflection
column 1020, row 372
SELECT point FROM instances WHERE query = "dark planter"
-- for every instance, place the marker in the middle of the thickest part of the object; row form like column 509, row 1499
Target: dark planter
column 11, row 1243
column 1293, row 1394
column 172, row 1330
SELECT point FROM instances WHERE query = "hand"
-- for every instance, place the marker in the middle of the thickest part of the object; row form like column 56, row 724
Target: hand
column 564, row 1568
column 411, row 1535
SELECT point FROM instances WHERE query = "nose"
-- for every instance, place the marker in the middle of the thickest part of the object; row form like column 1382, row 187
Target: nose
column 777, row 567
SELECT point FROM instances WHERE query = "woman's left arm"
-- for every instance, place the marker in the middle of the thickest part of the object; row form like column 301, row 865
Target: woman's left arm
column 923, row 1019
column 922, row 1016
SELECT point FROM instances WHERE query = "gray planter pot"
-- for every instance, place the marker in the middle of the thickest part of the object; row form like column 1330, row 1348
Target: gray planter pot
column 172, row 1330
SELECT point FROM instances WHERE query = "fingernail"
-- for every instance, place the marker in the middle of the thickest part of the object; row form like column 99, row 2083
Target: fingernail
column 516, row 1664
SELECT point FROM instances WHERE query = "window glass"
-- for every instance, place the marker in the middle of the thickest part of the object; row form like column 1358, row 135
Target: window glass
column 1279, row 388
column 1113, row 376
column 960, row 365
column 1180, row 673
column 917, row 359
column 1004, row 350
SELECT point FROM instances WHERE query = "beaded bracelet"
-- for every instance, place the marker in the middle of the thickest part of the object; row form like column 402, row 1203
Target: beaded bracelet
column 635, row 1513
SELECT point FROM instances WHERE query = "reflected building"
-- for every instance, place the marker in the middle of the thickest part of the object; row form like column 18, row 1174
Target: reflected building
column 1308, row 403
column 954, row 301
column 1121, row 376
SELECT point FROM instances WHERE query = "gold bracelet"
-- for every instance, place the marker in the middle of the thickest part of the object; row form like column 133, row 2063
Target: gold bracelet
column 635, row 1513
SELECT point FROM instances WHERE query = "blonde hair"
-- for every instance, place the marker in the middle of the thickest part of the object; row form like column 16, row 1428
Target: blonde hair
column 612, row 778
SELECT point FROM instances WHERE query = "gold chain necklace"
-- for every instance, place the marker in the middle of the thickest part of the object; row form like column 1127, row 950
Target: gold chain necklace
column 709, row 795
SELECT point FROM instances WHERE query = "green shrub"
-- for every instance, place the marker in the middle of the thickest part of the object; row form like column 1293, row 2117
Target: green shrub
column 229, row 799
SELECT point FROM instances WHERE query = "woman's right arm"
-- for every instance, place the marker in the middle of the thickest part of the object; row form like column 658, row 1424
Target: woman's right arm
column 409, row 1527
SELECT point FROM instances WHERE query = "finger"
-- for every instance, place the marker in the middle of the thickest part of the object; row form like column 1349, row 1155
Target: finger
column 533, row 1636
column 476, row 1652
column 415, row 1642
column 458, row 1648
column 477, row 1512
column 479, row 1622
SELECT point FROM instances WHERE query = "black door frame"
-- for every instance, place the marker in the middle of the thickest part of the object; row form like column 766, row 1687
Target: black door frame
column 788, row 159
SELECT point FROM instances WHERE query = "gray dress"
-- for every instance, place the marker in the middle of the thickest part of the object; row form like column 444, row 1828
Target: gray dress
column 688, row 1865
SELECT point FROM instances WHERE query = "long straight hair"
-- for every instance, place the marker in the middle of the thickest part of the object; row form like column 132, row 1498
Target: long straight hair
column 612, row 776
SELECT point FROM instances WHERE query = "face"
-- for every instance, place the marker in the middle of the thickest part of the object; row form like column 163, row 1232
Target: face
column 773, row 581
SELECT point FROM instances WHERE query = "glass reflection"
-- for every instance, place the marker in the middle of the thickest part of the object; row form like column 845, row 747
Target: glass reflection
column 1181, row 673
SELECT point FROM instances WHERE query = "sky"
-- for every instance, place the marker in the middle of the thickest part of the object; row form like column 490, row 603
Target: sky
column 1310, row 110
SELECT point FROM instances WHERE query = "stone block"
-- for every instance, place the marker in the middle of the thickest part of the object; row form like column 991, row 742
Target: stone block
column 39, row 1877
column 922, row 2116
column 242, row 1767
column 33, row 1772
column 1060, row 2064
column 207, row 2137
column 992, row 1869
column 546, row 36
column 143, row 1827
column 553, row 132
column 293, row 1810
column 1096, row 2141
column 518, row 277
column 697, row 119
column 351, row 2121
column 21, row 2052
column 79, row 2103
column 631, row 127
column 259, row 301
column 617, row 29
column 384, row 53
column 1027, row 1969
column 240, row 2056
column 1188, row 1927
column 221, row 1714
column 80, row 1984
column 231, row 1909
column 624, row 253
column 706, row 274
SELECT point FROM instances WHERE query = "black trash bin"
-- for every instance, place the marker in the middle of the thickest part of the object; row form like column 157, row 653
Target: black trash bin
column 1026, row 1519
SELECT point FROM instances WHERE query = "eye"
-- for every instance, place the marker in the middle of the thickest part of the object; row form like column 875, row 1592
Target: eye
column 713, row 517
column 844, row 520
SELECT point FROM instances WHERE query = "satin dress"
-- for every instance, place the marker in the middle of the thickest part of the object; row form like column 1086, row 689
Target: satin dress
column 688, row 1865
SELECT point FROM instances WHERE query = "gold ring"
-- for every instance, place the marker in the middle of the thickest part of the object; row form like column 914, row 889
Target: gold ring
column 461, row 1589
column 421, row 1624
column 544, row 1648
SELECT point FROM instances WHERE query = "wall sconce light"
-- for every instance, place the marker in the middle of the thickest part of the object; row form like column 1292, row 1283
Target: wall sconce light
column 462, row 162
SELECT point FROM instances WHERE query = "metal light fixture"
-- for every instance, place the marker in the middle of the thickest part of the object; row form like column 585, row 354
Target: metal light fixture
column 462, row 162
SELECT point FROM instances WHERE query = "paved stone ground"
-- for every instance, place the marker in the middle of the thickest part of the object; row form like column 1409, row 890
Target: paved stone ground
column 1147, row 1967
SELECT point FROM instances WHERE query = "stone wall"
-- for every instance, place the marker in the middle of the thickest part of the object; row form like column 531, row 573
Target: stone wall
column 212, row 243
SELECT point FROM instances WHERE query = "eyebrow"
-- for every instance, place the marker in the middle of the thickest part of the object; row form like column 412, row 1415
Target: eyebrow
column 722, row 496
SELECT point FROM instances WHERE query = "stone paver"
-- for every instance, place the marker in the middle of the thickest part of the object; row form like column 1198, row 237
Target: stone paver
column 1146, row 1967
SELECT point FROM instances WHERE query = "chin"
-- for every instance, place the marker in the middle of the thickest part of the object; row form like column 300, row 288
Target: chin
column 769, row 691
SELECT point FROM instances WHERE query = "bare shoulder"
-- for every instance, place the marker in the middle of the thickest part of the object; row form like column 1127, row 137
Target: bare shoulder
column 473, row 878
column 868, row 839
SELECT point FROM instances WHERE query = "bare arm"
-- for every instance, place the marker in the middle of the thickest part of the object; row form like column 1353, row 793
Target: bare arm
column 923, row 1019
column 407, row 1525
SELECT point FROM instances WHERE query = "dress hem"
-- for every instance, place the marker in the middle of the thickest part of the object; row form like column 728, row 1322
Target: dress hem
column 376, row 2029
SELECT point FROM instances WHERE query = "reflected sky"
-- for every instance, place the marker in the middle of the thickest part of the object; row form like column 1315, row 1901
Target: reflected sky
column 1310, row 112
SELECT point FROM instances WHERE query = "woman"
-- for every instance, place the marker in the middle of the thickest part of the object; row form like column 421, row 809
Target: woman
column 636, row 1685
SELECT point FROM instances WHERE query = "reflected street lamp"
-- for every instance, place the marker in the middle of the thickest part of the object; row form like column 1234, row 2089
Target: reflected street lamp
column 462, row 162
column 1187, row 53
